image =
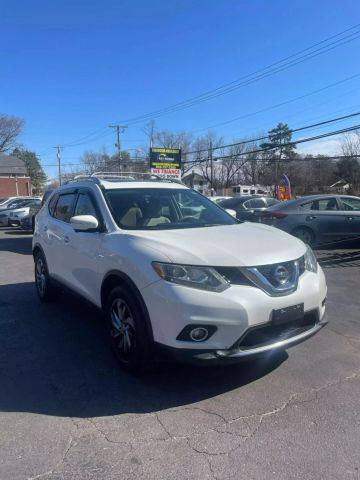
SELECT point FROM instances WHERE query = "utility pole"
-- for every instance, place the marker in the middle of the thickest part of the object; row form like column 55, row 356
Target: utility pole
column 58, row 155
column 119, row 129
column 211, row 168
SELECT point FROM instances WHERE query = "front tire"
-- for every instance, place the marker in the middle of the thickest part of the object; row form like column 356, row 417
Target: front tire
column 305, row 234
column 128, row 334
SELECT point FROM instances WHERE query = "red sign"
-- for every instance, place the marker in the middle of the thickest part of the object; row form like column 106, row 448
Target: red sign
column 283, row 190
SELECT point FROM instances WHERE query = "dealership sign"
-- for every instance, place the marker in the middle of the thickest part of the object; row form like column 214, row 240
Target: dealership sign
column 166, row 162
column 283, row 189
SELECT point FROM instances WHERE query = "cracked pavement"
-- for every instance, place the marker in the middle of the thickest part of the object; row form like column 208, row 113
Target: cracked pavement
column 68, row 412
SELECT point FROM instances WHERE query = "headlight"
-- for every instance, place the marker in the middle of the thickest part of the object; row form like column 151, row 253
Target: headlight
column 204, row 278
column 310, row 260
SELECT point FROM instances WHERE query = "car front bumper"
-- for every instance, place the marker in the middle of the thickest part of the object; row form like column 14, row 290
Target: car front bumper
column 234, row 312
column 235, row 355
column 14, row 222
column 26, row 223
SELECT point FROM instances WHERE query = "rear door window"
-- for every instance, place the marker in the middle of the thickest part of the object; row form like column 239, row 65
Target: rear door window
column 321, row 205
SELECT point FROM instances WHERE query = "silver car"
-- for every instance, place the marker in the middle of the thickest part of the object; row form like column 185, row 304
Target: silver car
column 317, row 219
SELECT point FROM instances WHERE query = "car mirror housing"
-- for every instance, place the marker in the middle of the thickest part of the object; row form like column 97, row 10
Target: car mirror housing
column 84, row 223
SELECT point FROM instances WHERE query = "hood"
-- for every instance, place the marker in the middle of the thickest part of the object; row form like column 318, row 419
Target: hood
column 246, row 244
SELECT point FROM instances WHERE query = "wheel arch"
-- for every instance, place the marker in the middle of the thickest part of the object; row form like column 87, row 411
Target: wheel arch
column 305, row 227
column 116, row 278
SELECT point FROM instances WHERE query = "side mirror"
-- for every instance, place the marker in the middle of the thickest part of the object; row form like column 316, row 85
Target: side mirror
column 84, row 223
column 231, row 212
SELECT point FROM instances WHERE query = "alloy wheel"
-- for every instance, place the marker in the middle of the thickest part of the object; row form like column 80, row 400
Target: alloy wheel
column 40, row 276
column 122, row 329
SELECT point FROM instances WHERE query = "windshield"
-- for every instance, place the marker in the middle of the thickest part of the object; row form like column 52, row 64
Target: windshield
column 163, row 209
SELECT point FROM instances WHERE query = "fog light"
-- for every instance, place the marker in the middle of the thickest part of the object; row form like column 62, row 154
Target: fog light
column 199, row 334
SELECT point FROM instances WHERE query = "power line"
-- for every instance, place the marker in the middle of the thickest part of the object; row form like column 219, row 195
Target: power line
column 281, row 104
column 251, row 78
column 276, row 67
column 295, row 142
column 252, row 140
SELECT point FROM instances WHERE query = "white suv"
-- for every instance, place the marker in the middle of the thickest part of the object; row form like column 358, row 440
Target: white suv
column 175, row 273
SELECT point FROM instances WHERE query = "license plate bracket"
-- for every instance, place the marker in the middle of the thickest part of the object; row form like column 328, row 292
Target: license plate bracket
column 288, row 314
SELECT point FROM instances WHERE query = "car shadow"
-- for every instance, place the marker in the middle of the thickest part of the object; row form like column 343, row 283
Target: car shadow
column 16, row 244
column 55, row 360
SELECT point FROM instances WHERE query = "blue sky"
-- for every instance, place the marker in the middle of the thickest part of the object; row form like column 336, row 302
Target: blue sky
column 70, row 68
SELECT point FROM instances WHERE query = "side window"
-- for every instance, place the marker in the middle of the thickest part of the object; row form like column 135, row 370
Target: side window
column 322, row 205
column 63, row 209
column 255, row 203
column 351, row 203
column 84, row 206
column 327, row 204
column 52, row 204
column 308, row 206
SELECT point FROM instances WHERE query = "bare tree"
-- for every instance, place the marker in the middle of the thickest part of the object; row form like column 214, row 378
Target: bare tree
column 10, row 129
column 95, row 161
column 349, row 168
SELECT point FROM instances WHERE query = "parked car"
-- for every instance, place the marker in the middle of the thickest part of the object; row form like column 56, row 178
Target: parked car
column 9, row 202
column 28, row 222
column 249, row 207
column 13, row 206
column 201, row 287
column 218, row 199
column 21, row 211
column 317, row 219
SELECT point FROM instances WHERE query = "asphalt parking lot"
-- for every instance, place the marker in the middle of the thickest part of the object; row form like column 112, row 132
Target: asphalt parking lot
column 68, row 412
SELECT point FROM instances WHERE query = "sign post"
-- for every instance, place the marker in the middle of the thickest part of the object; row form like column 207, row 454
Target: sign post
column 166, row 162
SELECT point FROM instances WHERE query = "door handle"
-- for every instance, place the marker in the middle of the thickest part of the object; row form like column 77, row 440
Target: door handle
column 310, row 217
column 350, row 218
column 66, row 239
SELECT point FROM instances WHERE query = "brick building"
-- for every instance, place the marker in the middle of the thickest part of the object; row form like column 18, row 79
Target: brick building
column 13, row 178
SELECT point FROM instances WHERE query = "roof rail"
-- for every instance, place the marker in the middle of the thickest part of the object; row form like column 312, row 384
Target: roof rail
column 96, row 177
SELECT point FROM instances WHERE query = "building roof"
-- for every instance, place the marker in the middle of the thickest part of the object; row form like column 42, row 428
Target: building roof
column 10, row 165
column 193, row 176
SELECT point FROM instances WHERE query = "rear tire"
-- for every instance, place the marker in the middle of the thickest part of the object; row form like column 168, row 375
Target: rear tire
column 305, row 234
column 44, row 287
column 127, row 330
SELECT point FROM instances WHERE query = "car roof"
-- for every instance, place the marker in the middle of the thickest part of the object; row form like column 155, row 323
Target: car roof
column 109, row 185
column 307, row 198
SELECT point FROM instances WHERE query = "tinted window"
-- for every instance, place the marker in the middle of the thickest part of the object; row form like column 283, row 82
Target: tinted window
column 323, row 204
column 271, row 201
column 229, row 203
column 255, row 203
column 351, row 203
column 63, row 209
column 84, row 206
column 162, row 208
column 52, row 204
column 46, row 196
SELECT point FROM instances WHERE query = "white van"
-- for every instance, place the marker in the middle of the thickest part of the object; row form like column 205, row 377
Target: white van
column 243, row 190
